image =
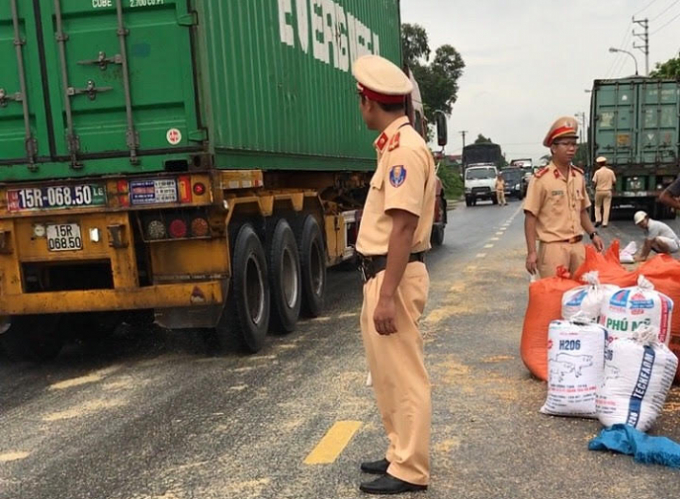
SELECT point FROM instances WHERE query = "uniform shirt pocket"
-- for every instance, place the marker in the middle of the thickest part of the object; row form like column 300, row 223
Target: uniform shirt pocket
column 557, row 201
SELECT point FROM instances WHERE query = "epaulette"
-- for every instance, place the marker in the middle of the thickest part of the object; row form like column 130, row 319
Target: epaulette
column 541, row 172
column 578, row 169
column 394, row 142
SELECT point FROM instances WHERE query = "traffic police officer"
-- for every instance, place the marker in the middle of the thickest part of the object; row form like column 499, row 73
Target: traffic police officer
column 604, row 181
column 556, row 207
column 394, row 234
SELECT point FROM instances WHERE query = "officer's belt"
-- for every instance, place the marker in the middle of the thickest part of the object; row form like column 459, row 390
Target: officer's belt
column 571, row 240
column 370, row 266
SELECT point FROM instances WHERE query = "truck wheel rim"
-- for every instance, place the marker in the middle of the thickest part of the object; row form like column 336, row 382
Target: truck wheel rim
column 289, row 279
column 255, row 290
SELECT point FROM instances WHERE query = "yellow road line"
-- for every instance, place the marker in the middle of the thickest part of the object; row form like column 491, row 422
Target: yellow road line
column 333, row 442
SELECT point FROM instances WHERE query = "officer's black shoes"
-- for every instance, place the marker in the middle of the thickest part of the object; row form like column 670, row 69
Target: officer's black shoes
column 597, row 224
column 375, row 467
column 388, row 485
column 605, row 226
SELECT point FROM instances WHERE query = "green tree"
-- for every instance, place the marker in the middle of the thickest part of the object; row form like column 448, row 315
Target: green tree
column 414, row 44
column 438, row 79
column 483, row 140
column 669, row 69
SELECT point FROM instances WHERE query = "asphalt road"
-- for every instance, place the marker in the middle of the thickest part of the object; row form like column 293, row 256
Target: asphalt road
column 148, row 415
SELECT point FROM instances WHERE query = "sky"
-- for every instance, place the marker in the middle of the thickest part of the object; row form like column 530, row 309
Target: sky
column 528, row 62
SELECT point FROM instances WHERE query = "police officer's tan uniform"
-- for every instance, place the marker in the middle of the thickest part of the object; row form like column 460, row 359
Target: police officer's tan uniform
column 604, row 180
column 404, row 180
column 557, row 203
column 500, row 191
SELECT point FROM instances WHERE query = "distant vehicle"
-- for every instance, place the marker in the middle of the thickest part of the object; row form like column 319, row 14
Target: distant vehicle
column 480, row 184
column 526, row 164
column 484, row 153
column 635, row 126
column 515, row 182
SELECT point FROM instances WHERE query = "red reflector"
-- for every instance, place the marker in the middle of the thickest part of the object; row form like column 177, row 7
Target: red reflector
column 178, row 229
column 184, row 184
column 199, row 189
column 199, row 227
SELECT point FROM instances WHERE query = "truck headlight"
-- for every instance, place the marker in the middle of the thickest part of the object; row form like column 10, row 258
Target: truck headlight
column 517, row 187
column 468, row 190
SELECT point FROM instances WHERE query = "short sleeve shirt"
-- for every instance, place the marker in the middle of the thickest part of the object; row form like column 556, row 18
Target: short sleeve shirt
column 404, row 180
column 500, row 184
column 557, row 203
column 604, row 178
column 674, row 188
column 659, row 229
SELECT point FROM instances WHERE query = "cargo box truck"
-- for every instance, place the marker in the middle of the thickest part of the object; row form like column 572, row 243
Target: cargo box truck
column 635, row 124
column 198, row 163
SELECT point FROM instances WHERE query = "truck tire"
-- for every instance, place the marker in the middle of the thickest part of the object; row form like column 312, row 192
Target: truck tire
column 494, row 199
column 468, row 202
column 33, row 338
column 439, row 229
column 312, row 266
column 284, row 278
column 245, row 318
column 438, row 233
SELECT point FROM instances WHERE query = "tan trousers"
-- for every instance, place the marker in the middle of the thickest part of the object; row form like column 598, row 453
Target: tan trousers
column 603, row 199
column 500, row 195
column 552, row 255
column 400, row 381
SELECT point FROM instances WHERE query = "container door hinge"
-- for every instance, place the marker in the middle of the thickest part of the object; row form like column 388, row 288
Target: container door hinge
column 190, row 19
column 200, row 135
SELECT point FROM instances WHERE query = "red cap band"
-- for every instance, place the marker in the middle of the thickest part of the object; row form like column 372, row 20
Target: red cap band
column 383, row 98
column 560, row 131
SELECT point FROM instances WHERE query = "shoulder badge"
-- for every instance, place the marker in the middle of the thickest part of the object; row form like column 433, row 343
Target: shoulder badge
column 394, row 142
column 578, row 169
column 541, row 172
column 397, row 175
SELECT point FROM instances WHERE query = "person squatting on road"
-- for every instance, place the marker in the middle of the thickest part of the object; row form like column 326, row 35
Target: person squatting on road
column 604, row 180
column 393, row 237
column 658, row 236
column 500, row 190
column 556, row 207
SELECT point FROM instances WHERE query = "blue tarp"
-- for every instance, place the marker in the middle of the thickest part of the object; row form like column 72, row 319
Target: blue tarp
column 644, row 448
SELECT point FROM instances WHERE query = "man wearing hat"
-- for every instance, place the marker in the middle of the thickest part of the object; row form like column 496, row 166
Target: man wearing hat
column 556, row 207
column 658, row 236
column 393, row 237
column 604, row 181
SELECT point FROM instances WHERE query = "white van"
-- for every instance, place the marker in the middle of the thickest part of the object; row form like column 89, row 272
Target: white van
column 480, row 183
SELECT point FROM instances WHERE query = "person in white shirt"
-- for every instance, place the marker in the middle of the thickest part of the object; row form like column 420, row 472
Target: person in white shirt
column 658, row 236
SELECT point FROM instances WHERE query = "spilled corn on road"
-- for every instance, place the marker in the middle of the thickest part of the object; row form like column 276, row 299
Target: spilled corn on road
column 148, row 415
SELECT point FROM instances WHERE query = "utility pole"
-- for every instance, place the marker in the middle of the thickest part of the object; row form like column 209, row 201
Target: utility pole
column 463, row 132
column 644, row 36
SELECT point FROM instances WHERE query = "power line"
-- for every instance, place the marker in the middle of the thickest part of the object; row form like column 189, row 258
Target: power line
column 665, row 10
column 663, row 26
column 618, row 56
column 645, row 7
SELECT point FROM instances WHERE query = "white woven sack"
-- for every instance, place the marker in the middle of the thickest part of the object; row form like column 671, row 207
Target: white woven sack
column 575, row 368
column 640, row 307
column 638, row 374
column 586, row 301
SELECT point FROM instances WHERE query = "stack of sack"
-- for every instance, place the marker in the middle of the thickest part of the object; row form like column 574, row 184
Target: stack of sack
column 545, row 301
column 607, row 357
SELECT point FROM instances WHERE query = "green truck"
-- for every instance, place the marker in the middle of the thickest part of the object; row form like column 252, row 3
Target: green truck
column 198, row 163
column 635, row 124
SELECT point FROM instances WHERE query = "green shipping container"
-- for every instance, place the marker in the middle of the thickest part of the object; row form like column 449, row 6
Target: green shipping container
column 635, row 122
column 101, row 87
